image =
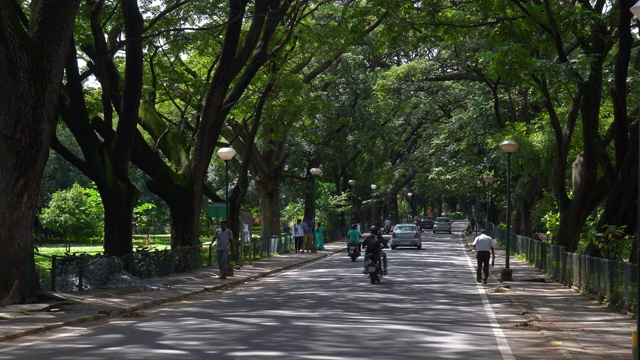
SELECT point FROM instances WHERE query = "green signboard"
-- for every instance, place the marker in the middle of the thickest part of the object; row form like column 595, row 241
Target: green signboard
column 217, row 209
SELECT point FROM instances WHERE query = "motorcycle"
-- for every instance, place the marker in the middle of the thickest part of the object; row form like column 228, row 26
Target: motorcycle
column 386, row 230
column 373, row 268
column 352, row 251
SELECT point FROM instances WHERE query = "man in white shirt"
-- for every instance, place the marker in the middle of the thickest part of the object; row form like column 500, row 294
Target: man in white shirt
column 484, row 248
column 297, row 235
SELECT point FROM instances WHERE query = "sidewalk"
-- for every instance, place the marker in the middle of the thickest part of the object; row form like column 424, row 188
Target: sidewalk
column 573, row 325
column 75, row 308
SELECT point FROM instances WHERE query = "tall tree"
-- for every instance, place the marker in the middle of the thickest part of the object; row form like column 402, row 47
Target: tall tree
column 287, row 132
column 106, row 159
column 33, row 47
column 560, row 75
column 246, row 45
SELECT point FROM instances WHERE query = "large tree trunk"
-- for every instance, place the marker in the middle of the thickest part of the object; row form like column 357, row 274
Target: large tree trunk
column 620, row 207
column 522, row 223
column 525, row 204
column 586, row 103
column 185, row 219
column 241, row 57
column 119, row 200
column 393, row 208
column 310, row 210
column 184, row 204
column 574, row 212
column 106, row 158
column 269, row 207
column 452, row 204
column 31, row 67
column 118, row 211
column 235, row 211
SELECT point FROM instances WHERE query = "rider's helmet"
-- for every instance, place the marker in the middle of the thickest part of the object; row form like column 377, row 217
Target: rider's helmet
column 374, row 230
column 354, row 226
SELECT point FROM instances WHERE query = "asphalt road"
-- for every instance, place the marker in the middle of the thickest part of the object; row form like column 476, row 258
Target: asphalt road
column 428, row 307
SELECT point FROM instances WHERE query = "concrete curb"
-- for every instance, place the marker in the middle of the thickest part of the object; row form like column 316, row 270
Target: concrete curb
column 40, row 329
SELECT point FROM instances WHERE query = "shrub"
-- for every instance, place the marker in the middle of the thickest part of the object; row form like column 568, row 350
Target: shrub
column 76, row 213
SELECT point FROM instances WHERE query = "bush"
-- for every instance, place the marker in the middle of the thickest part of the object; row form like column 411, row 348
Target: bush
column 76, row 213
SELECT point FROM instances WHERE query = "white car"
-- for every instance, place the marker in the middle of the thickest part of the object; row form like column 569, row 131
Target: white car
column 405, row 235
column 442, row 224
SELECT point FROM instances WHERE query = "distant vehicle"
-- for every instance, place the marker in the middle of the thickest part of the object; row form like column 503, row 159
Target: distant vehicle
column 425, row 223
column 442, row 224
column 405, row 235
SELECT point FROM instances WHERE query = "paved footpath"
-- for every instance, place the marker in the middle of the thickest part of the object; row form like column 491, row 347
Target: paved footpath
column 573, row 326
column 541, row 319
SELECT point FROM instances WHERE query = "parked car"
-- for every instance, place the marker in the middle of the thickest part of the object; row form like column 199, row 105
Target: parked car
column 405, row 235
column 442, row 224
column 425, row 223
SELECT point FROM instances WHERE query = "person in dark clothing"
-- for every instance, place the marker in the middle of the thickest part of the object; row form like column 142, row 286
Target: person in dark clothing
column 473, row 223
column 374, row 243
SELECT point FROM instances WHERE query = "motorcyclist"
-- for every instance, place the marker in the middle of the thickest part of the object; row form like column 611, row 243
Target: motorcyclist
column 354, row 236
column 374, row 243
column 387, row 225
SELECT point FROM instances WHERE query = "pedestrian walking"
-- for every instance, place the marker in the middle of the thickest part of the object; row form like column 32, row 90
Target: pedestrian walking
column 298, row 233
column 473, row 223
column 307, row 230
column 224, row 237
column 484, row 249
column 320, row 236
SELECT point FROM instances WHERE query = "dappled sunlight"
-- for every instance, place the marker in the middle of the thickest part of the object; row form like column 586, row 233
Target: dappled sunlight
column 428, row 307
column 428, row 304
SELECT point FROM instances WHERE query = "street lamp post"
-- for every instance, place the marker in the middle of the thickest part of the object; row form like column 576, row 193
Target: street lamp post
column 226, row 154
column 635, row 9
column 475, row 215
column 489, row 180
column 410, row 194
column 373, row 187
column 315, row 172
column 352, row 183
column 149, row 223
column 509, row 147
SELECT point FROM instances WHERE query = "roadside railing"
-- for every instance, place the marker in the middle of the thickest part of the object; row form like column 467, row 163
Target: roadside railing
column 77, row 272
column 269, row 246
column 613, row 281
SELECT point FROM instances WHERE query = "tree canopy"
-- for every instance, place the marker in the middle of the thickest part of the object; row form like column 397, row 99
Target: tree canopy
column 412, row 96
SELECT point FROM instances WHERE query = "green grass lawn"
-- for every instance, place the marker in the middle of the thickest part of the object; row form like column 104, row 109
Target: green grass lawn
column 46, row 251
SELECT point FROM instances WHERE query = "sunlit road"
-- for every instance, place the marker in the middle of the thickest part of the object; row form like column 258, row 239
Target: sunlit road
column 429, row 307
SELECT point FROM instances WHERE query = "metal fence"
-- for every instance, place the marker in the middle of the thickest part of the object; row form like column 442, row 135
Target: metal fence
column 267, row 246
column 613, row 281
column 77, row 272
